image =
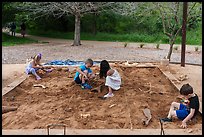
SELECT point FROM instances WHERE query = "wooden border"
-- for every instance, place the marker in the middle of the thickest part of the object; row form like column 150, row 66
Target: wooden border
column 170, row 76
column 197, row 131
column 96, row 131
column 14, row 84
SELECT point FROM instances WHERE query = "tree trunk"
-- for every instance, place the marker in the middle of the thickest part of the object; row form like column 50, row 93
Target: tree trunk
column 183, row 47
column 77, row 41
column 94, row 23
column 170, row 51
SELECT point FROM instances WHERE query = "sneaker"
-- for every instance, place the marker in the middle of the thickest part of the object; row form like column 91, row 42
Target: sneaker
column 85, row 86
column 108, row 95
column 82, row 86
column 166, row 120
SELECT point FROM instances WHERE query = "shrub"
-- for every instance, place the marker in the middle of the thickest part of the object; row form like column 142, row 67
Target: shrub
column 157, row 46
column 196, row 48
column 125, row 44
column 176, row 48
column 141, row 45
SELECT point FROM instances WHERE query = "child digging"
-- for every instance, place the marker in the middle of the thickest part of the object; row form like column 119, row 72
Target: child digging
column 187, row 111
column 35, row 65
column 113, row 79
column 84, row 74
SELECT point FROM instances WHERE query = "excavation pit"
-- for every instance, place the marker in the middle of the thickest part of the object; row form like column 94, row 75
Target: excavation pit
column 64, row 102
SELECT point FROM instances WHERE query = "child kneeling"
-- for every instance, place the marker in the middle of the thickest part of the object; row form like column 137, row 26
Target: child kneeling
column 34, row 65
column 113, row 79
column 84, row 74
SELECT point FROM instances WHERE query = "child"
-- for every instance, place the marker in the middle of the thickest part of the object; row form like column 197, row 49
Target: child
column 187, row 111
column 34, row 65
column 23, row 29
column 113, row 79
column 84, row 74
column 13, row 29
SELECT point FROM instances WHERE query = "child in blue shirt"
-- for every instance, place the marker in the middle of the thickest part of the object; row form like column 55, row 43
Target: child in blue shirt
column 84, row 74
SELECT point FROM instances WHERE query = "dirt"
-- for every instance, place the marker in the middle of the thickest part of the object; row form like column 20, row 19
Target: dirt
column 61, row 49
column 65, row 102
column 194, row 78
column 10, row 72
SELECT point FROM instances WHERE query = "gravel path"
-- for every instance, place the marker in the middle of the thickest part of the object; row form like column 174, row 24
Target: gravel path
column 60, row 49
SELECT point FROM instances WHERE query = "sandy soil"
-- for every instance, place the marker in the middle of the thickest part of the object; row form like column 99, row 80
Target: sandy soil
column 194, row 77
column 67, row 105
column 65, row 102
column 10, row 72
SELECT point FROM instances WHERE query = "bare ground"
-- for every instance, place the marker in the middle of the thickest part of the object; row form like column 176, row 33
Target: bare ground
column 10, row 72
column 61, row 49
column 13, row 71
column 65, row 102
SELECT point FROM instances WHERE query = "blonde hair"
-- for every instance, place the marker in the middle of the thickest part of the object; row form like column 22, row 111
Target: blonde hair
column 36, row 58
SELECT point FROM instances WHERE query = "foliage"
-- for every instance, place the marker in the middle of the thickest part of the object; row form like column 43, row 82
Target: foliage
column 8, row 13
column 157, row 45
column 172, row 19
column 100, row 36
column 144, row 25
column 8, row 40
column 195, row 16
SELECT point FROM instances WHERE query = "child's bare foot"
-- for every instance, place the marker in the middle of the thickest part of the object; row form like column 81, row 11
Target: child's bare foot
column 38, row 78
column 49, row 70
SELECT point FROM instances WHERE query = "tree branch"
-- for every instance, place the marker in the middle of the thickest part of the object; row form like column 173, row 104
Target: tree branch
column 163, row 21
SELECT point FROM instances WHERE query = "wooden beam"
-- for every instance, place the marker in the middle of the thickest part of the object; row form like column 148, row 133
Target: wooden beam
column 13, row 84
column 183, row 48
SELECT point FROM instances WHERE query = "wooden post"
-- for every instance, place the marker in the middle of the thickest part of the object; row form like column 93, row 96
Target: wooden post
column 183, row 48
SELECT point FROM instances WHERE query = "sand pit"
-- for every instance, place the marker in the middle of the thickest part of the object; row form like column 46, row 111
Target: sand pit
column 64, row 102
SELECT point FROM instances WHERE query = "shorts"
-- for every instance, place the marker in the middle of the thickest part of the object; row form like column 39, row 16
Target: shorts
column 182, row 112
column 78, row 80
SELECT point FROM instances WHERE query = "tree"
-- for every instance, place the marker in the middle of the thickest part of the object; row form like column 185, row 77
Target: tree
column 172, row 17
column 8, row 13
column 58, row 9
column 169, row 12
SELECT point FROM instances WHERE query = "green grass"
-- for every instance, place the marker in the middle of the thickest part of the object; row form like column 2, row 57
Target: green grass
column 8, row 40
column 192, row 37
